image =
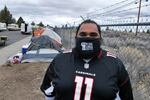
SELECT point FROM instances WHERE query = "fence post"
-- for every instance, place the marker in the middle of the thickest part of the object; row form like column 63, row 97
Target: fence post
column 139, row 12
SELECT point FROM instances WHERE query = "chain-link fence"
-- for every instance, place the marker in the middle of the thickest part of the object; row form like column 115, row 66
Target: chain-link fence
column 127, row 24
column 133, row 50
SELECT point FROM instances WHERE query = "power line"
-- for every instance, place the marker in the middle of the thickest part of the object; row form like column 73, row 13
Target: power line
column 114, row 11
column 115, row 19
column 120, row 7
column 109, row 6
column 121, row 11
column 125, row 5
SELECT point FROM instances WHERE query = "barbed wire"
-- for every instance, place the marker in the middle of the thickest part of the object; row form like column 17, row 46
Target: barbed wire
column 123, row 11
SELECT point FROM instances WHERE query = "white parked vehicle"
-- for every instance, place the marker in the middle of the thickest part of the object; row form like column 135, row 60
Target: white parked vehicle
column 26, row 28
column 13, row 27
column 3, row 27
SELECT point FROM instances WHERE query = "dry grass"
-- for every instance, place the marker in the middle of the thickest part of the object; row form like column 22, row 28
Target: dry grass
column 22, row 81
column 134, row 51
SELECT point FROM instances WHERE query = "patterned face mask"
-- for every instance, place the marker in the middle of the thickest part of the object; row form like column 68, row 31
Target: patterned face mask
column 88, row 47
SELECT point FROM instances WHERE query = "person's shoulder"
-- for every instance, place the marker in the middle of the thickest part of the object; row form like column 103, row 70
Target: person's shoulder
column 62, row 57
column 109, row 54
column 113, row 58
column 64, row 54
column 67, row 51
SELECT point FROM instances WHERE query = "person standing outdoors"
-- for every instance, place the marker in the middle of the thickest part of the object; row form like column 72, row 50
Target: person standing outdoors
column 87, row 72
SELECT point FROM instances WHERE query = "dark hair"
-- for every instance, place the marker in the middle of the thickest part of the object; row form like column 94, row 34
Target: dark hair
column 89, row 21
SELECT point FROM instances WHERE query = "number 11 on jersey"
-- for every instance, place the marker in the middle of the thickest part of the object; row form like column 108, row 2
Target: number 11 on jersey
column 80, row 81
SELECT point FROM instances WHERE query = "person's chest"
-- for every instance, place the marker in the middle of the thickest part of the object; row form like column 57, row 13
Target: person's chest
column 79, row 83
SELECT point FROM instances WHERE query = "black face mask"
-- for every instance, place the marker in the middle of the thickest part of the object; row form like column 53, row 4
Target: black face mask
column 88, row 47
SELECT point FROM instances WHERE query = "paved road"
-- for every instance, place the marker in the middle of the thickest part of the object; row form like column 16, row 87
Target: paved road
column 13, row 36
column 12, row 49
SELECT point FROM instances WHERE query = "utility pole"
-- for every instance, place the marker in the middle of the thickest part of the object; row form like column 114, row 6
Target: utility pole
column 139, row 12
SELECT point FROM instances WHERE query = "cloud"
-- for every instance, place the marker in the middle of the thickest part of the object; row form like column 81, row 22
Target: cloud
column 55, row 12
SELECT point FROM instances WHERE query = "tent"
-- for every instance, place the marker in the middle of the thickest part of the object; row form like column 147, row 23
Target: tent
column 41, row 49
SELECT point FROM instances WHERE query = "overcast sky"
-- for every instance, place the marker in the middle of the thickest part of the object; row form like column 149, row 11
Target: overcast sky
column 54, row 12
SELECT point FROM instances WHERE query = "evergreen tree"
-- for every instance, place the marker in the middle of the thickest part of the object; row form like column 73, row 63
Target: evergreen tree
column 13, row 20
column 41, row 24
column 33, row 23
column 6, row 16
column 20, row 20
column 148, row 31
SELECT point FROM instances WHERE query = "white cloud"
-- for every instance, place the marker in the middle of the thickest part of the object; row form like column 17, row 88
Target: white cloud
column 55, row 12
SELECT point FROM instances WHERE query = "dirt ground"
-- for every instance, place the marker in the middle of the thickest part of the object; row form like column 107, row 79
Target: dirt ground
column 22, row 81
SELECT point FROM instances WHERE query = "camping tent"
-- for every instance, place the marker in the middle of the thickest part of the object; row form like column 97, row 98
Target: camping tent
column 52, row 35
column 42, row 49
